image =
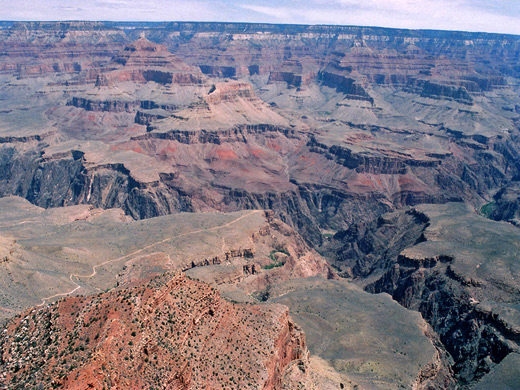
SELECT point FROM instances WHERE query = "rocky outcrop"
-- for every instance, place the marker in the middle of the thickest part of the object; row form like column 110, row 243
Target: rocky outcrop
column 142, row 117
column 237, row 134
column 417, row 257
column 195, row 137
column 345, row 85
column 218, row 71
column 476, row 340
column 369, row 162
column 430, row 89
column 145, row 118
column 483, row 84
column 230, row 92
column 145, row 54
column 24, row 139
column 118, row 106
column 294, row 72
column 169, row 78
column 106, row 106
column 246, row 253
column 172, row 331
column 151, row 105
column 287, row 77
column 144, row 61
column 370, row 248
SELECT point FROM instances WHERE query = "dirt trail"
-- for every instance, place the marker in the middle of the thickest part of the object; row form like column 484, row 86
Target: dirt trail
column 6, row 309
column 95, row 267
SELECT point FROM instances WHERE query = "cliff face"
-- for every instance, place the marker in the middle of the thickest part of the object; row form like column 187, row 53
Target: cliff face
column 344, row 85
column 443, row 261
column 402, row 123
column 476, row 339
column 505, row 205
column 73, row 48
column 110, row 106
column 144, row 61
column 371, row 248
column 432, row 90
column 328, row 126
column 173, row 333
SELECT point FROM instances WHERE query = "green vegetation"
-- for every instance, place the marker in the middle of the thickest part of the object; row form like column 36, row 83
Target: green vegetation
column 276, row 263
column 275, row 251
column 488, row 209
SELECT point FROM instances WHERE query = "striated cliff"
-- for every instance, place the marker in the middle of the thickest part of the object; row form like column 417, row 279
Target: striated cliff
column 387, row 118
column 456, row 268
column 336, row 129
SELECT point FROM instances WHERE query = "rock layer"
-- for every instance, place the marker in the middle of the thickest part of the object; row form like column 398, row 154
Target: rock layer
column 456, row 268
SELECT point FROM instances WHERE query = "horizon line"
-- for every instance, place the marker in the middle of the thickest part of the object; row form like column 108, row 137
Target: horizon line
column 258, row 23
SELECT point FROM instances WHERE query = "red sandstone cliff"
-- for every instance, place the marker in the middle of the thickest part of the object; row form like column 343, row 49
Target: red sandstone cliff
column 174, row 333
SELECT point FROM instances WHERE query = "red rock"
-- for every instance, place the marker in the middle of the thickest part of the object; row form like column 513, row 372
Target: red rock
column 173, row 333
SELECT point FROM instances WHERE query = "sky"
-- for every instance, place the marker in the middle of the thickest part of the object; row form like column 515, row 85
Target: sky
column 502, row 16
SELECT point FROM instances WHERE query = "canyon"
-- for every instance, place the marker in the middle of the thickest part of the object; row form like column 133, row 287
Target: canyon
column 352, row 174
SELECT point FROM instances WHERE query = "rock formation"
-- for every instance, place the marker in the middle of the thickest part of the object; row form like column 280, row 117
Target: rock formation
column 456, row 268
column 172, row 333
column 338, row 130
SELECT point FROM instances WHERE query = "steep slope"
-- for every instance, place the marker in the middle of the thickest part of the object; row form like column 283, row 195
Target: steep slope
column 458, row 269
column 326, row 126
column 144, row 61
column 172, row 333
column 330, row 127
column 505, row 205
column 53, row 253
column 369, row 339
column 74, row 49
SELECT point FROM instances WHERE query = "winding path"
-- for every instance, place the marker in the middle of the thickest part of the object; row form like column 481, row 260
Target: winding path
column 95, row 267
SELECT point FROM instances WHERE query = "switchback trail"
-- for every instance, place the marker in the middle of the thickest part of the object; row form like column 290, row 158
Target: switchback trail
column 73, row 276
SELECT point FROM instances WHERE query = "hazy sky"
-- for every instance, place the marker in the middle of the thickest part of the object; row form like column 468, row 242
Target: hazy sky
column 471, row 15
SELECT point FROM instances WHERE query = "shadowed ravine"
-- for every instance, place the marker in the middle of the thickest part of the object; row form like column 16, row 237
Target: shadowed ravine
column 254, row 157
